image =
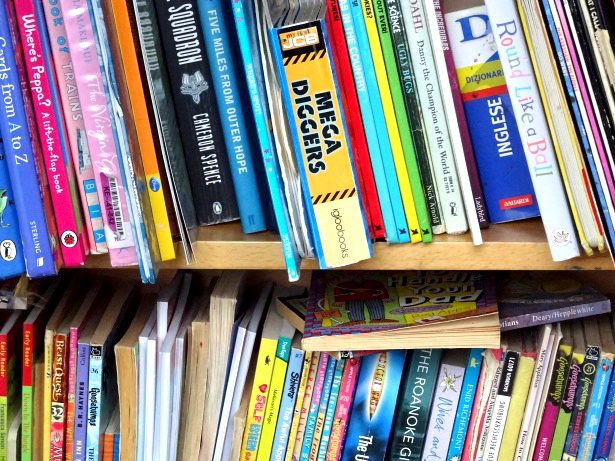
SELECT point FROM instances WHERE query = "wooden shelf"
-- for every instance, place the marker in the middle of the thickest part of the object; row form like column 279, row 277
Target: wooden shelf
column 512, row 246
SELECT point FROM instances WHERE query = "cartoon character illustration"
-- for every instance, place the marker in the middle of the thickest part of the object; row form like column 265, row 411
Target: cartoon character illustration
column 4, row 202
column 356, row 294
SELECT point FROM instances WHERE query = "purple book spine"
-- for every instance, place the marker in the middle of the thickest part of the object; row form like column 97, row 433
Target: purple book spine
column 81, row 407
column 468, row 149
column 554, row 315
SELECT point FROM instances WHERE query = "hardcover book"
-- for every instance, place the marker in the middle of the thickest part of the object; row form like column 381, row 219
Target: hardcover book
column 532, row 300
column 374, row 406
column 11, row 248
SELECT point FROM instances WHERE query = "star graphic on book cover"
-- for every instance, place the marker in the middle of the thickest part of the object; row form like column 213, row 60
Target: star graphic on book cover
column 449, row 381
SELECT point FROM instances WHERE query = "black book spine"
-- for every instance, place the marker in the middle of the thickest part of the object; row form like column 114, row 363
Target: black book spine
column 197, row 112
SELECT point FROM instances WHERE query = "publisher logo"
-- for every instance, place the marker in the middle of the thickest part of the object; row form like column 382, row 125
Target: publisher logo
column 69, row 239
column 299, row 38
column 193, row 85
column 154, row 184
column 217, row 207
column 561, row 237
column 516, row 202
column 8, row 250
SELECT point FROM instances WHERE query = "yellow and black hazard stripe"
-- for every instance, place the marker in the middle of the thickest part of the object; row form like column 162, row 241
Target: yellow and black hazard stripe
column 334, row 195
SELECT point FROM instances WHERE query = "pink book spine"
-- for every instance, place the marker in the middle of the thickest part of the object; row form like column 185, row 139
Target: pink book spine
column 96, row 118
column 578, row 84
column 343, row 409
column 545, row 434
column 75, row 128
column 69, row 229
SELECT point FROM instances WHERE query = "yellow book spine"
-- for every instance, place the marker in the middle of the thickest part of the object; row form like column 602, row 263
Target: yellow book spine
column 294, row 426
column 391, row 121
column 517, row 408
column 258, row 399
column 48, row 355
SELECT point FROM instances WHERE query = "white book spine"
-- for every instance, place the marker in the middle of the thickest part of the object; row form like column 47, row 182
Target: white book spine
column 443, row 165
column 493, row 393
column 150, row 398
column 463, row 176
column 443, row 412
column 530, row 116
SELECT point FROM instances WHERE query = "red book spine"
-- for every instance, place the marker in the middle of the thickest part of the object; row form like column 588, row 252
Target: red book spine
column 468, row 149
column 4, row 365
column 27, row 365
column 354, row 121
column 49, row 126
column 58, row 397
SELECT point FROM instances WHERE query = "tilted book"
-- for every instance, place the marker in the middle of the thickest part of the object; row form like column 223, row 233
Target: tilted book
column 11, row 248
column 325, row 439
column 314, row 406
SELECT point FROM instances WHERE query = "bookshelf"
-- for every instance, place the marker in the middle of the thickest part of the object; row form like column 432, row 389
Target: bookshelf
column 512, row 246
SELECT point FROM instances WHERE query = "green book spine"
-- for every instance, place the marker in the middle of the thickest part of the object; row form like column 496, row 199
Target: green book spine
column 402, row 119
column 412, row 413
column 412, row 105
column 26, row 423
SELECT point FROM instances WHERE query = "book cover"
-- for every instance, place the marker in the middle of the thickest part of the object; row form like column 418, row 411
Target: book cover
column 535, row 138
column 538, row 299
column 414, row 403
column 33, row 226
column 466, row 402
column 287, row 405
column 378, row 140
column 81, row 401
column 314, row 406
column 607, row 426
column 322, row 409
column 199, row 118
column 374, row 406
column 444, row 404
column 395, row 117
column 97, row 119
column 325, row 439
column 10, row 364
column 328, row 181
column 58, row 396
column 488, row 108
column 11, row 248
column 487, row 413
column 351, row 303
column 385, row 30
column 234, row 124
column 76, row 135
column 357, row 134
column 302, row 408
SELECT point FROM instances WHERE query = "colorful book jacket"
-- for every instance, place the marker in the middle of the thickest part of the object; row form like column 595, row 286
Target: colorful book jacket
column 97, row 119
column 536, row 300
column 607, row 424
column 378, row 143
column 533, row 129
column 11, row 249
column 338, row 225
column 356, row 132
column 374, row 406
column 310, row 423
column 322, row 409
column 199, row 120
column 554, row 402
column 306, row 367
column 81, row 400
column 331, row 409
column 250, row 54
column 337, row 300
column 51, row 133
column 72, row 390
column 58, row 396
column 414, row 403
column 493, row 128
column 33, row 227
column 466, row 402
column 287, row 405
column 343, row 409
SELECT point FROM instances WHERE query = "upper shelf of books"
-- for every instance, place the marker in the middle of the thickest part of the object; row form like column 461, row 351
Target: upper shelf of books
column 512, row 246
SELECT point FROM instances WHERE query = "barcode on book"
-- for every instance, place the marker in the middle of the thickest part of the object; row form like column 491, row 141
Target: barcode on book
column 119, row 236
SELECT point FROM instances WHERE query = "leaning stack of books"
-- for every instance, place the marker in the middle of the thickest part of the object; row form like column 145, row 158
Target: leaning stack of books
column 230, row 369
column 333, row 123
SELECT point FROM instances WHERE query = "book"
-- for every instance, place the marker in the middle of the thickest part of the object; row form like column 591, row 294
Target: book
column 339, row 305
column 487, row 413
column 444, row 403
column 142, row 382
column 33, row 226
column 234, row 124
column 487, row 106
column 374, row 405
column 538, row 148
column 315, row 426
column 199, row 120
column 343, row 410
column 466, row 401
column 328, row 180
column 325, row 438
column 314, row 405
column 539, row 299
column 30, row 19
column 414, row 402
column 10, row 338
column 605, row 433
column 11, row 251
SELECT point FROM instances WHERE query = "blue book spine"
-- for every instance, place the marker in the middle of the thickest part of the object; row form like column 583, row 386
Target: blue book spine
column 607, row 425
column 37, row 249
column 116, row 447
column 234, row 125
column 81, row 402
column 250, row 54
column 95, row 385
column 382, row 182
column 324, row 404
column 11, row 251
column 331, row 406
column 595, row 409
column 576, row 111
column 373, row 410
column 371, row 83
column 287, row 405
column 466, row 403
